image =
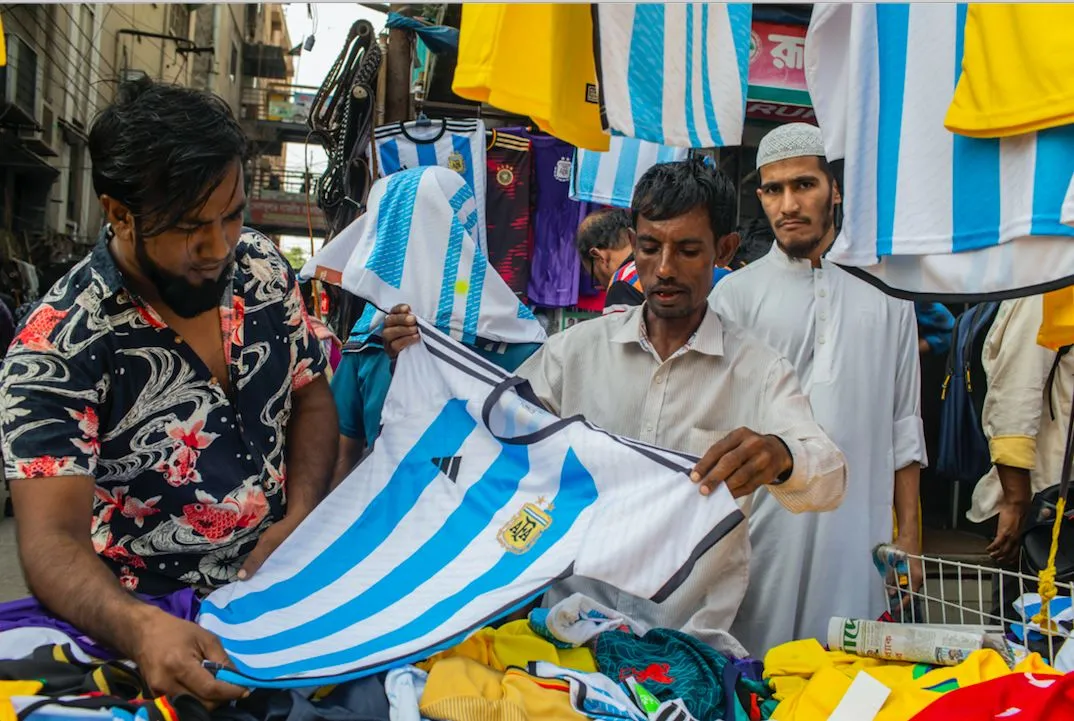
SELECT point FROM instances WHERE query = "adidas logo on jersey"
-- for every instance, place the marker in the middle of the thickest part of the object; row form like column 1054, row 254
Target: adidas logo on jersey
column 449, row 466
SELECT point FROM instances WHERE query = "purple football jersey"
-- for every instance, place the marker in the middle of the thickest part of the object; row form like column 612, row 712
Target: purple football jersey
column 554, row 265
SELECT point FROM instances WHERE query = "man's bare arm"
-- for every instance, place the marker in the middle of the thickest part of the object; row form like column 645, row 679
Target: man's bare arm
column 906, row 500
column 350, row 452
column 67, row 577
column 312, row 445
column 61, row 567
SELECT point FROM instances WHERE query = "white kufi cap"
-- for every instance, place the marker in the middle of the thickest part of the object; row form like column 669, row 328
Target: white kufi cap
column 793, row 140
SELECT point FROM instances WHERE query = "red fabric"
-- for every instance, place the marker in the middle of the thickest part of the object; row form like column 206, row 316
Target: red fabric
column 1020, row 696
column 591, row 303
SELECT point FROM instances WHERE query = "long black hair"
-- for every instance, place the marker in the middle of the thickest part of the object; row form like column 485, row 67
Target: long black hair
column 161, row 150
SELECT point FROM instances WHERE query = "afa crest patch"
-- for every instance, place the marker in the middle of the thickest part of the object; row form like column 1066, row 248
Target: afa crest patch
column 455, row 162
column 524, row 528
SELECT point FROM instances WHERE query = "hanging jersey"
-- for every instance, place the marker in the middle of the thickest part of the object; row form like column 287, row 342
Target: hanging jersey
column 534, row 60
column 555, row 267
column 675, row 74
column 507, row 206
column 927, row 211
column 458, row 145
column 415, row 245
column 609, row 178
column 473, row 501
column 1016, row 70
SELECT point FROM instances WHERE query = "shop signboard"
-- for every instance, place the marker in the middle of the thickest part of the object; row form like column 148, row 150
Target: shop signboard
column 280, row 213
column 777, row 83
column 291, row 108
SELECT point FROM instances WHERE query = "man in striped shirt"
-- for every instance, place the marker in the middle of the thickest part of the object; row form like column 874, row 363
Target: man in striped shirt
column 603, row 241
column 670, row 373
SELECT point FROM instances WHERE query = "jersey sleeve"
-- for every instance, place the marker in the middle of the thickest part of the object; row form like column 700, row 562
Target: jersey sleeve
column 49, row 412
column 653, row 496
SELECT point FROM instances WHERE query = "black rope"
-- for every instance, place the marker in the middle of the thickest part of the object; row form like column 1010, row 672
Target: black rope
column 341, row 118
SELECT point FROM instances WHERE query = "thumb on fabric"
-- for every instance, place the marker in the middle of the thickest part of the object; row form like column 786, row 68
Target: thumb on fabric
column 269, row 541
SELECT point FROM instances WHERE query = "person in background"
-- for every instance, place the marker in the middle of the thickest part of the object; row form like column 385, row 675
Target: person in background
column 670, row 373
column 603, row 242
column 166, row 406
column 856, row 353
column 360, row 383
column 934, row 325
column 757, row 239
column 1026, row 411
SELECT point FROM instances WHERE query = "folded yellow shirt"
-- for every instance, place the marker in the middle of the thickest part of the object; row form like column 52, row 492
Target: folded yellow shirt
column 459, row 689
column 809, row 682
column 514, row 644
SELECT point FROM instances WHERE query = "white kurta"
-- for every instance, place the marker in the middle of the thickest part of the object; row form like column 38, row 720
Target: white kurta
column 856, row 353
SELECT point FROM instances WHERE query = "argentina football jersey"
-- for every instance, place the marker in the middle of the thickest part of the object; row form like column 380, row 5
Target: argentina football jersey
column 928, row 212
column 609, row 178
column 675, row 73
column 455, row 144
column 472, row 503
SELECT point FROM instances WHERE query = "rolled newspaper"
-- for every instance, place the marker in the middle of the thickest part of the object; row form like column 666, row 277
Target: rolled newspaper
column 902, row 642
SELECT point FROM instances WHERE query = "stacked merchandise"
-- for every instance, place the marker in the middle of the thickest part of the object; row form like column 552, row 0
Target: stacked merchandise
column 527, row 215
column 577, row 660
column 810, row 684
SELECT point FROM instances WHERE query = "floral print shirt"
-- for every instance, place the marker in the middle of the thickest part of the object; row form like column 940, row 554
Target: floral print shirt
column 187, row 475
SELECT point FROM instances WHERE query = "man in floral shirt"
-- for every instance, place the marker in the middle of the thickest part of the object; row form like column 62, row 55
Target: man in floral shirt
column 164, row 418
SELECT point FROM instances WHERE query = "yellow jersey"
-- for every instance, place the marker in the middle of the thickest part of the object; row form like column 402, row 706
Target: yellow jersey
column 1017, row 70
column 534, row 59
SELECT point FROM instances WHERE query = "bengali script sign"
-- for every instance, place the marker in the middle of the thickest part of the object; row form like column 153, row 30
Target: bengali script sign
column 777, row 82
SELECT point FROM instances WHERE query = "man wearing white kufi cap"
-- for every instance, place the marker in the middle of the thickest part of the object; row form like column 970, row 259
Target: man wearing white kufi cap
column 856, row 353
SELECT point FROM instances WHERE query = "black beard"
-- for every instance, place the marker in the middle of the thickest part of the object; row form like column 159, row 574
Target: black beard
column 805, row 250
column 186, row 299
column 801, row 251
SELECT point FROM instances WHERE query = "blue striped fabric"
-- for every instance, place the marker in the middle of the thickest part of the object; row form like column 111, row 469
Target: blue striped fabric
column 415, row 245
column 609, row 178
column 473, row 501
column 675, row 74
column 458, row 145
column 943, row 207
column 393, row 228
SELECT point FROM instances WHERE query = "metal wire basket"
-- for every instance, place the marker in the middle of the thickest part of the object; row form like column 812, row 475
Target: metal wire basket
column 958, row 593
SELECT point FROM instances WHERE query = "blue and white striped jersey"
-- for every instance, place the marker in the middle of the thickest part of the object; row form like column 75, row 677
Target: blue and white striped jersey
column 458, row 145
column 927, row 211
column 609, row 178
column 416, row 245
column 675, row 74
column 473, row 501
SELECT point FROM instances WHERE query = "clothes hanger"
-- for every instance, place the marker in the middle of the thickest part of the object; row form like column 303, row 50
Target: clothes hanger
column 422, row 121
